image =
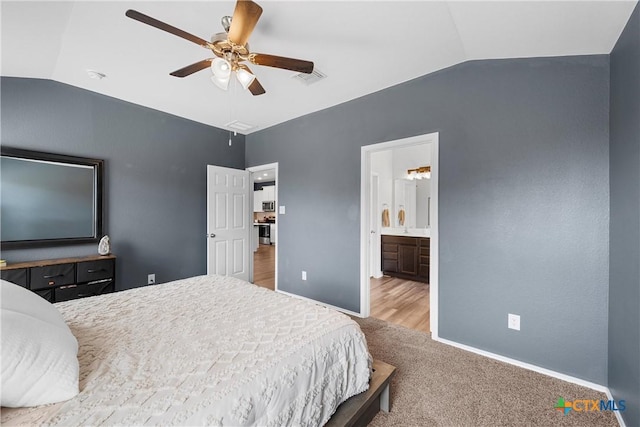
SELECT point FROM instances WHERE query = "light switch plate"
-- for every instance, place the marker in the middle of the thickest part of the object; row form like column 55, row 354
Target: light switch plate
column 281, row 210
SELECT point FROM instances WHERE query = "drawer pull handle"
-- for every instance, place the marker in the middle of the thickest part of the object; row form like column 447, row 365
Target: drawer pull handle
column 96, row 271
column 52, row 276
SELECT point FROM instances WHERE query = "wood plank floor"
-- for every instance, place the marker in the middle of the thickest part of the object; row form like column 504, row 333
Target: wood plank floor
column 400, row 301
column 264, row 266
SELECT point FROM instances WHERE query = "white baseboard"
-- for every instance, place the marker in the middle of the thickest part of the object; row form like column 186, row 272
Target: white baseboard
column 529, row 366
column 618, row 414
column 349, row 312
column 548, row 372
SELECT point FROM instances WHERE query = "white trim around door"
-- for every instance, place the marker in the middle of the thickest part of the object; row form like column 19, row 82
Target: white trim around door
column 253, row 170
column 365, row 221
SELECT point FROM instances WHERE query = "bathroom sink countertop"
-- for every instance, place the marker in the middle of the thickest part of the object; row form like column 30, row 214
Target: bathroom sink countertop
column 409, row 232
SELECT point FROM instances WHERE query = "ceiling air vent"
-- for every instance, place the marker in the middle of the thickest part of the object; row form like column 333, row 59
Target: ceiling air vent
column 239, row 126
column 309, row 79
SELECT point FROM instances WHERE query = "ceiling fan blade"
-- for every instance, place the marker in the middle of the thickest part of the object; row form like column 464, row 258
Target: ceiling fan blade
column 193, row 68
column 245, row 18
column 281, row 62
column 255, row 87
column 134, row 14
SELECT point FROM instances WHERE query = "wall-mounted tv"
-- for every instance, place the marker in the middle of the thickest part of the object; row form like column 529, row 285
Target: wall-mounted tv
column 49, row 199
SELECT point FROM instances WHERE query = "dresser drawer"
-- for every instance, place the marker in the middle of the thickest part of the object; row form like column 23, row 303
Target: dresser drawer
column 69, row 292
column 17, row 276
column 46, row 294
column 52, row 275
column 105, row 287
column 64, row 279
column 90, row 271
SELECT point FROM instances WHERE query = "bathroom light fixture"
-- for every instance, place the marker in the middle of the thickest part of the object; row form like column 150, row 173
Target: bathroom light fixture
column 419, row 173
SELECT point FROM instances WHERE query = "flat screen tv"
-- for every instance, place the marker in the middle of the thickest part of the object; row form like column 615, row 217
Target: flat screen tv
column 49, row 199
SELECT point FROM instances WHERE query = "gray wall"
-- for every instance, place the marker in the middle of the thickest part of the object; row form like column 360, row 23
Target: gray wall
column 524, row 202
column 624, row 276
column 155, row 170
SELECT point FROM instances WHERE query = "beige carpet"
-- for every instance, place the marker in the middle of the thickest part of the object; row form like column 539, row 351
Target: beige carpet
column 439, row 385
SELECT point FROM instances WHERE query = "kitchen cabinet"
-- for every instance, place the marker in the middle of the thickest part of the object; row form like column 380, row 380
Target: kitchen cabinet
column 257, row 200
column 269, row 193
column 406, row 257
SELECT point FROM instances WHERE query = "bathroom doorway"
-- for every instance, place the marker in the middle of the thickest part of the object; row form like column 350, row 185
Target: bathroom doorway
column 399, row 274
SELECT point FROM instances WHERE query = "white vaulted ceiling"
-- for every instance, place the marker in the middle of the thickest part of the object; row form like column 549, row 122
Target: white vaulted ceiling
column 362, row 47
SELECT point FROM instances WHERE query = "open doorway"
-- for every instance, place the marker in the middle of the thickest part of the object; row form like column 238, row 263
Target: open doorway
column 399, row 244
column 265, row 225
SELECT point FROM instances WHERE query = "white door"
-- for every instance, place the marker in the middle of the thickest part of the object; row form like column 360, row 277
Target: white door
column 228, row 227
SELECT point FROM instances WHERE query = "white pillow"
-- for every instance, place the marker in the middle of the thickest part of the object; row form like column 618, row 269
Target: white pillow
column 39, row 352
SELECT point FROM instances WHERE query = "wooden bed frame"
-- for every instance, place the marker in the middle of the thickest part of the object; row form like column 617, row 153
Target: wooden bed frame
column 360, row 409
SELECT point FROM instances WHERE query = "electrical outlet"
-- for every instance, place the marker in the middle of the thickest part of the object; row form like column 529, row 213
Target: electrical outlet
column 304, row 275
column 151, row 279
column 513, row 321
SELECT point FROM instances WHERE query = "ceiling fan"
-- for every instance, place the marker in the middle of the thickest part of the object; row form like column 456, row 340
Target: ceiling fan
column 230, row 48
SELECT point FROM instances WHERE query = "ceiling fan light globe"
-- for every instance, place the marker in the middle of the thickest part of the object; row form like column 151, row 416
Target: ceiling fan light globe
column 245, row 78
column 221, row 68
column 222, row 83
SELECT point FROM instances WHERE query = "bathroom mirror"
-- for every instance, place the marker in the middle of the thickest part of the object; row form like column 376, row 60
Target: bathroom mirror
column 412, row 203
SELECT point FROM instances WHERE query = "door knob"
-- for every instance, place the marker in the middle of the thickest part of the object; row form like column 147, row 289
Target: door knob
column 211, row 235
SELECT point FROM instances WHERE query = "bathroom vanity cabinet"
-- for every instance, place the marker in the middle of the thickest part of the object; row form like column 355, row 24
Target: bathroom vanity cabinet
column 406, row 257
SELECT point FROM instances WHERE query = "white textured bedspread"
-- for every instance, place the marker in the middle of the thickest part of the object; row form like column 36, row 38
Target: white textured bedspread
column 207, row 350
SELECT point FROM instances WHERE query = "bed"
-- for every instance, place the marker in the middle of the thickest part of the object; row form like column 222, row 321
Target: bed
column 207, row 350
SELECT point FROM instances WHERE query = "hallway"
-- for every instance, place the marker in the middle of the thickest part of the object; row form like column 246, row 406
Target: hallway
column 264, row 266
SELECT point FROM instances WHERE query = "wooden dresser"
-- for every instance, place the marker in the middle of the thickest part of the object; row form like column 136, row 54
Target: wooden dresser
column 406, row 257
column 66, row 278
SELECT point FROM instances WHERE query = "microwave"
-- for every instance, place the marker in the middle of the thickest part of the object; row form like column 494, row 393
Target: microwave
column 269, row 206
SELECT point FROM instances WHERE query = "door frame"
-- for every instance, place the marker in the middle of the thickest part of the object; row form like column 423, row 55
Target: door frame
column 252, row 170
column 375, row 269
column 365, row 226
